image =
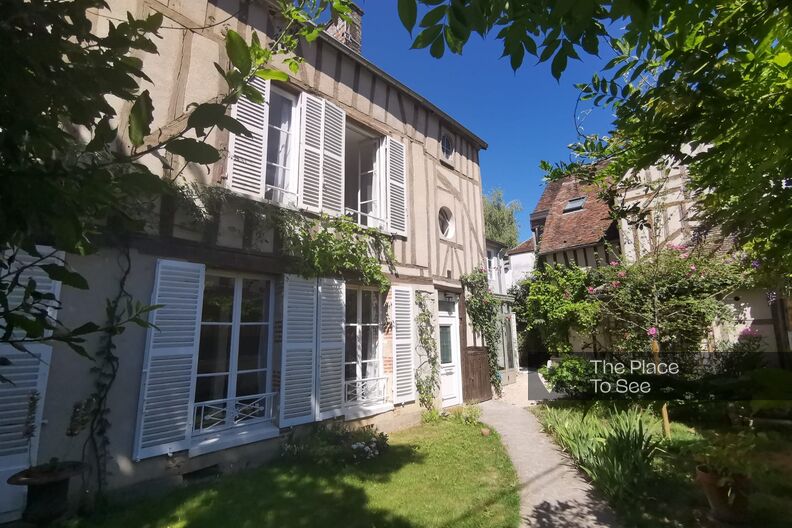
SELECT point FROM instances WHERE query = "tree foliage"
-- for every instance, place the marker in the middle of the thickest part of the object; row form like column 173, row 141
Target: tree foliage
column 500, row 222
column 703, row 83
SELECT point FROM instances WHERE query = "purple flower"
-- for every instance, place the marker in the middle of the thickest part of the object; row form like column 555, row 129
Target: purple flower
column 749, row 332
column 652, row 331
column 755, row 264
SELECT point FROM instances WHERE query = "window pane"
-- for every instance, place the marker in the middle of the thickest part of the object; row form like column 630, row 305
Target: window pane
column 369, row 307
column 369, row 344
column 278, row 148
column 350, row 344
column 351, row 306
column 253, row 343
column 280, row 111
column 276, row 177
column 214, row 349
column 251, row 383
column 369, row 370
column 445, row 344
column 211, row 388
column 255, row 300
column 350, row 372
column 218, row 299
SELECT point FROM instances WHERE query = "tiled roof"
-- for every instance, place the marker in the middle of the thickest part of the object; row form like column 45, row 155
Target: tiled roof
column 584, row 227
column 523, row 247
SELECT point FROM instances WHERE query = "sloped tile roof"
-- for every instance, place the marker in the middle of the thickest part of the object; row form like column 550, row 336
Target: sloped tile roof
column 584, row 227
column 523, row 247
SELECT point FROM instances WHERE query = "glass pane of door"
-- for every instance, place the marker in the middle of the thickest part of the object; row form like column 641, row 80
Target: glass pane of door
column 446, row 354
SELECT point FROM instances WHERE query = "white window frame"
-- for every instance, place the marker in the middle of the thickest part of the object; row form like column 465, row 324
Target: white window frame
column 294, row 145
column 207, row 441
column 381, row 378
column 377, row 219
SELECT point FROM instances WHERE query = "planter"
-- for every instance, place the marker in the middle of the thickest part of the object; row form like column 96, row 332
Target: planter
column 721, row 508
column 48, row 490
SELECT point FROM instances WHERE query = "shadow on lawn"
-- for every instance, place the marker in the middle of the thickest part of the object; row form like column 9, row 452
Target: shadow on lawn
column 277, row 495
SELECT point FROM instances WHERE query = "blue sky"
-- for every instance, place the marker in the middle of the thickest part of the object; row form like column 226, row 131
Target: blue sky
column 525, row 116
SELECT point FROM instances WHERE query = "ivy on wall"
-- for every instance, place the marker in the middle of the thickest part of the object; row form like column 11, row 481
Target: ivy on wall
column 483, row 308
column 427, row 375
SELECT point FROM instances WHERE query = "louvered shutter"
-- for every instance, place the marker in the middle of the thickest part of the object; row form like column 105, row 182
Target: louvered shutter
column 299, row 351
column 403, row 349
column 322, row 137
column 311, row 152
column 165, row 418
column 333, row 160
column 330, row 382
column 396, row 163
column 247, row 153
column 27, row 374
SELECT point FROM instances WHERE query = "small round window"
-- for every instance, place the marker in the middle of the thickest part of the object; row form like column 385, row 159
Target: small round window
column 447, row 145
column 446, row 221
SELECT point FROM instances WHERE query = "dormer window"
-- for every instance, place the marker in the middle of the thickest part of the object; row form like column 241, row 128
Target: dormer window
column 575, row 204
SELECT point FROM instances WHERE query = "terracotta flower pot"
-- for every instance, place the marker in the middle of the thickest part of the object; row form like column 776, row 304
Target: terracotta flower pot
column 733, row 510
column 48, row 490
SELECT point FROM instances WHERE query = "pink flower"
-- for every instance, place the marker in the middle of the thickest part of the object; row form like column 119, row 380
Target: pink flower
column 651, row 332
column 692, row 267
column 683, row 256
column 614, row 263
column 622, row 274
column 749, row 332
column 615, row 284
column 590, row 290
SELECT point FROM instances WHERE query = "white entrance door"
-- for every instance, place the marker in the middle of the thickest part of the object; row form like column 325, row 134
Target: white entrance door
column 21, row 403
column 450, row 366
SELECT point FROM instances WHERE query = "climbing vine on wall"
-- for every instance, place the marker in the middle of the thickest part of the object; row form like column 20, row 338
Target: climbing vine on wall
column 427, row 375
column 483, row 308
column 322, row 245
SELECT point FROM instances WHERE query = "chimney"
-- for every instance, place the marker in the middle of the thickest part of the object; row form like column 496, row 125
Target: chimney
column 349, row 33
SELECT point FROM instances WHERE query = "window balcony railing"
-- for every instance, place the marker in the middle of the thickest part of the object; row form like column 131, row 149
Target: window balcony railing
column 366, row 391
column 365, row 219
column 216, row 415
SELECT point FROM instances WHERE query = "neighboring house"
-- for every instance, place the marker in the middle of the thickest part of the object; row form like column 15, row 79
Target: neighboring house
column 499, row 275
column 523, row 260
column 572, row 226
column 243, row 349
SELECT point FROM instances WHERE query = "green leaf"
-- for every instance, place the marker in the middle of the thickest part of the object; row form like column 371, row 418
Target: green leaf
column 140, row 118
column 408, row 12
column 434, row 16
column 783, row 59
column 58, row 272
column 232, row 125
column 559, row 64
column 238, row 52
column 438, row 48
column 193, row 151
column 103, row 134
column 205, row 115
column 271, row 74
column 427, row 36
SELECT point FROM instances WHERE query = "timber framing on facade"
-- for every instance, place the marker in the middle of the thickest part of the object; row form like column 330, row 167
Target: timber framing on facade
column 243, row 350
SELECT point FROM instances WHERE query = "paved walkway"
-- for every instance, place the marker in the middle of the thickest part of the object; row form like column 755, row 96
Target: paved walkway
column 553, row 493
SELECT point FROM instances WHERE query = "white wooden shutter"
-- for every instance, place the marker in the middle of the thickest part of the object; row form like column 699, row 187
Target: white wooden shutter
column 247, row 153
column 403, row 349
column 333, row 160
column 311, row 140
column 27, row 373
column 164, row 423
column 322, row 137
column 330, row 380
column 396, row 163
column 299, row 351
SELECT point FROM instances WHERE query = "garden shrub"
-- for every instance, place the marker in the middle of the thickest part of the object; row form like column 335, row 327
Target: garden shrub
column 334, row 443
column 571, row 376
column 466, row 414
column 431, row 416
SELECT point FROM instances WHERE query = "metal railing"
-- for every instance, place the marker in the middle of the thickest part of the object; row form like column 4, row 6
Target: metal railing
column 371, row 220
column 216, row 415
column 365, row 391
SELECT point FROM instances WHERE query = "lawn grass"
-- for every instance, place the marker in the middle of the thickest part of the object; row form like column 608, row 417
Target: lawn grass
column 444, row 474
column 671, row 498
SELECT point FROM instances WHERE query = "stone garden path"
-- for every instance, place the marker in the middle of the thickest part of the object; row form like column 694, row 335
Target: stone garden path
column 553, row 493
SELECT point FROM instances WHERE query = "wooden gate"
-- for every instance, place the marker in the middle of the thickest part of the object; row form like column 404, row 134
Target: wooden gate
column 475, row 364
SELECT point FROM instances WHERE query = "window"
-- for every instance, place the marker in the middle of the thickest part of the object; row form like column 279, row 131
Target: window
column 446, row 222
column 447, row 146
column 492, row 264
column 446, row 354
column 362, row 370
column 575, row 204
column 362, row 182
column 233, row 378
column 281, row 171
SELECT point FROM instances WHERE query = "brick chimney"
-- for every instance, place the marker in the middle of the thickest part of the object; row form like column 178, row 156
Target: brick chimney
column 349, row 33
